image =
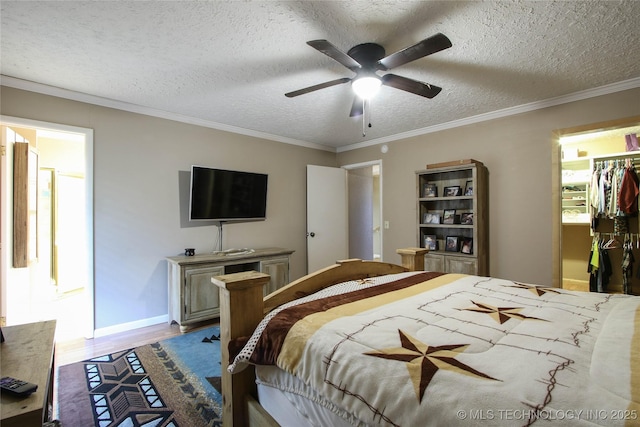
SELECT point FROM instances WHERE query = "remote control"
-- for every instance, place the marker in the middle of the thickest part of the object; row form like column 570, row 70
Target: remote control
column 17, row 387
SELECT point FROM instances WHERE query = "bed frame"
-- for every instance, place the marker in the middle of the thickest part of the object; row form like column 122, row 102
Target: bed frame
column 242, row 307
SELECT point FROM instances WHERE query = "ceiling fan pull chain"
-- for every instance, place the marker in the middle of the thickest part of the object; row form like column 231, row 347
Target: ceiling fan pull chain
column 366, row 112
column 364, row 117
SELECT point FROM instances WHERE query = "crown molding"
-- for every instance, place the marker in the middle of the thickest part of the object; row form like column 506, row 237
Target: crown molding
column 532, row 106
column 133, row 108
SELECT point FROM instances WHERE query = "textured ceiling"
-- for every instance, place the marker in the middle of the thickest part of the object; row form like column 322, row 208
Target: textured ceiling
column 227, row 64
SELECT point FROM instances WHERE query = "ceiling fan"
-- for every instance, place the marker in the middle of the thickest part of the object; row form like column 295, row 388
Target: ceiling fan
column 368, row 58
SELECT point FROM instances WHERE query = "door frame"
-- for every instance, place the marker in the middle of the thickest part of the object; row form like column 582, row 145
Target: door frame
column 8, row 182
column 556, row 183
column 381, row 198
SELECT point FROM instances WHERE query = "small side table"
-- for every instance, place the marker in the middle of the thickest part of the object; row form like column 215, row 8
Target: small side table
column 27, row 353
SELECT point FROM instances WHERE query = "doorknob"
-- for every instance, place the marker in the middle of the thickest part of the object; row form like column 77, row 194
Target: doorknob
column 312, row 234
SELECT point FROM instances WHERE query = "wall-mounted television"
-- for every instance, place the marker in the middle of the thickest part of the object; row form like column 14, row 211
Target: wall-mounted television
column 227, row 195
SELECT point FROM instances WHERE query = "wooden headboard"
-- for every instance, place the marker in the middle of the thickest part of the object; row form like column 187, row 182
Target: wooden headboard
column 242, row 307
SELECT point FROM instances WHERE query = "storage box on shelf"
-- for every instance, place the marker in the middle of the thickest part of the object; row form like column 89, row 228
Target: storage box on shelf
column 452, row 210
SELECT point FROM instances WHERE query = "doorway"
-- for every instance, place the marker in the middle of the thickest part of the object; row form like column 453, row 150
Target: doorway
column 59, row 283
column 344, row 213
column 364, row 182
column 580, row 152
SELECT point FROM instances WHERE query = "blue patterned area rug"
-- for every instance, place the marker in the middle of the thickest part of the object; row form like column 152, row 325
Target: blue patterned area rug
column 172, row 383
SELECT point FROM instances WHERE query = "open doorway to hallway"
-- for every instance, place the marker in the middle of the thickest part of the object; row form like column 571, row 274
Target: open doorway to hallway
column 344, row 201
column 364, row 182
column 57, row 283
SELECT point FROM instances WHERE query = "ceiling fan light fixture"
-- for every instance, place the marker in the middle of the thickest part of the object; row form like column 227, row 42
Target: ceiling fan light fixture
column 366, row 87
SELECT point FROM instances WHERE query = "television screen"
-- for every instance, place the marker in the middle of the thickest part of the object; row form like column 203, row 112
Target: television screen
column 224, row 195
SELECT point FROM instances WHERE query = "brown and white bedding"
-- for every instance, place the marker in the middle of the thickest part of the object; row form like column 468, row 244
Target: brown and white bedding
column 426, row 348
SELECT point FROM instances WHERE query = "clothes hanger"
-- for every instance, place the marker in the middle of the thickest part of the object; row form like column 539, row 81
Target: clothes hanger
column 612, row 243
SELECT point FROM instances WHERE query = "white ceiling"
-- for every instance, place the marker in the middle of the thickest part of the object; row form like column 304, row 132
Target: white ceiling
column 227, row 64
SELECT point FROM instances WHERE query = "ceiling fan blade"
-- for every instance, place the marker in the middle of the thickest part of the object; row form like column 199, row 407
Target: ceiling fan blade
column 421, row 49
column 357, row 108
column 317, row 87
column 335, row 53
column 410, row 85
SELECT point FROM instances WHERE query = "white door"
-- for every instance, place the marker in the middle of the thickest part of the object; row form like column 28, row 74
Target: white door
column 327, row 216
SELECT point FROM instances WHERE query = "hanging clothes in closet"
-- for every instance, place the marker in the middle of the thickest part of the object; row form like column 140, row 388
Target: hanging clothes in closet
column 614, row 190
column 599, row 268
column 614, row 196
column 628, row 194
column 627, row 266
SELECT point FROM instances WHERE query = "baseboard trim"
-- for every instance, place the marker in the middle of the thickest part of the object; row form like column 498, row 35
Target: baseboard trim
column 125, row 327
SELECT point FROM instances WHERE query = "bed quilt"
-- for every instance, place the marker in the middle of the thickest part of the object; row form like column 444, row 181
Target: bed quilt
column 433, row 349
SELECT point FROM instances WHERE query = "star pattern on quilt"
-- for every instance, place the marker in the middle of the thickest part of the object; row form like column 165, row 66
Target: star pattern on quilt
column 537, row 290
column 423, row 361
column 500, row 314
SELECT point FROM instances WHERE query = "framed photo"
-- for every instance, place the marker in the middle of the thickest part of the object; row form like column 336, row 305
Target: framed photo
column 430, row 190
column 452, row 244
column 466, row 218
column 449, row 216
column 454, row 190
column 468, row 189
column 430, row 242
column 431, row 218
column 467, row 245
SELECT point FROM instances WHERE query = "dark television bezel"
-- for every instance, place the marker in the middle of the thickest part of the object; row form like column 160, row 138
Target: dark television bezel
column 229, row 219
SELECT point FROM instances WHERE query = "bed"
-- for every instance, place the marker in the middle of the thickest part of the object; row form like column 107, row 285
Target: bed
column 370, row 343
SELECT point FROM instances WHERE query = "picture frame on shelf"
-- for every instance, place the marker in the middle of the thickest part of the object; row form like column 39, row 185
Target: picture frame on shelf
column 467, row 245
column 431, row 218
column 449, row 216
column 452, row 191
column 468, row 188
column 466, row 218
column 430, row 190
column 452, row 244
column 430, row 242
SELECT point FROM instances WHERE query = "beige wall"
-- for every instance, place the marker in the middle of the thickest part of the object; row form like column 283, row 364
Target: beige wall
column 138, row 162
column 63, row 155
column 518, row 151
column 576, row 244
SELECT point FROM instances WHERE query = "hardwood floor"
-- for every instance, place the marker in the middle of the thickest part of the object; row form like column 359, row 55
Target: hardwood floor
column 79, row 349
column 575, row 285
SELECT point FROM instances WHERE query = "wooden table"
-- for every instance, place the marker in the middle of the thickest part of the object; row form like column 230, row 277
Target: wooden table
column 27, row 354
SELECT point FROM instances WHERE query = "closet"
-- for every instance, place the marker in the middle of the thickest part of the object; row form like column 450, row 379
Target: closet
column 600, row 242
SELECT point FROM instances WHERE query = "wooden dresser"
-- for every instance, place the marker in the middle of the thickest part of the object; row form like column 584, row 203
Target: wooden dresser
column 192, row 296
column 27, row 354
